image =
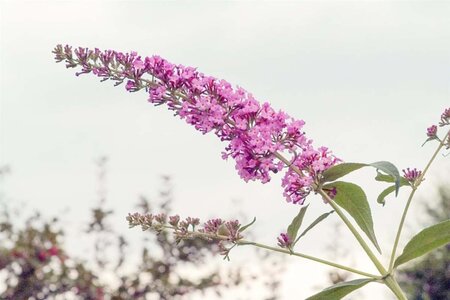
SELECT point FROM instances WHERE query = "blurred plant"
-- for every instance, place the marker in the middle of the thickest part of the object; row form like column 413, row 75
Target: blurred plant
column 429, row 279
column 337, row 251
column 36, row 265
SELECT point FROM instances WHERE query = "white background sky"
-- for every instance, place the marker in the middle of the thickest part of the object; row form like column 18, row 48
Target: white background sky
column 367, row 77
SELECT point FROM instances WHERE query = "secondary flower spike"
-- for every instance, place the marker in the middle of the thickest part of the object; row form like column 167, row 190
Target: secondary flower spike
column 254, row 132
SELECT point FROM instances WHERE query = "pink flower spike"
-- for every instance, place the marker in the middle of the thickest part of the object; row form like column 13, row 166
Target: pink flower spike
column 254, row 133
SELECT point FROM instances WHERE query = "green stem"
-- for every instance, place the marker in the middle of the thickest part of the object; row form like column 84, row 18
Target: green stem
column 361, row 241
column 242, row 242
column 350, row 226
column 395, row 288
column 322, row 261
column 411, row 195
column 390, row 282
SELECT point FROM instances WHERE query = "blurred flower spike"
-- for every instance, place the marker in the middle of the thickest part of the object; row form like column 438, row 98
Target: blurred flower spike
column 214, row 230
column 255, row 133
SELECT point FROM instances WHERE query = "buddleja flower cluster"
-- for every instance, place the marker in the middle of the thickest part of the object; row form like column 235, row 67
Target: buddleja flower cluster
column 433, row 129
column 255, row 132
column 214, row 230
column 414, row 175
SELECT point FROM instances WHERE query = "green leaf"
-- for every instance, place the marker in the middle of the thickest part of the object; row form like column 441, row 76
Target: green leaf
column 387, row 178
column 343, row 169
column 316, row 221
column 352, row 198
column 429, row 139
column 425, row 241
column 389, row 169
column 248, row 225
column 296, row 223
column 384, row 193
column 340, row 170
column 338, row 291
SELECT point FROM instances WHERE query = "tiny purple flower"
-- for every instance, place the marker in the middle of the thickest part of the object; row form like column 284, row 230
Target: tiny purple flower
column 411, row 174
column 284, row 241
column 331, row 192
column 138, row 64
column 431, row 131
column 130, row 86
column 193, row 221
column 161, row 218
column 173, row 220
column 445, row 118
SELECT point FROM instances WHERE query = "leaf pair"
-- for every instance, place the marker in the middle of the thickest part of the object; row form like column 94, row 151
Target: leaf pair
column 391, row 175
column 352, row 198
column 296, row 223
column 389, row 190
column 425, row 241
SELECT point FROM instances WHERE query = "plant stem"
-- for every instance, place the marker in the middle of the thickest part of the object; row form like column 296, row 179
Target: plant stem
column 322, row 261
column 411, row 195
column 387, row 278
column 350, row 226
column 394, row 287
column 390, row 282
column 242, row 242
column 327, row 198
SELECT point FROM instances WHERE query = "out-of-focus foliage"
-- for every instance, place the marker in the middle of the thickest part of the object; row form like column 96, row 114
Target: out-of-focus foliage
column 338, row 251
column 429, row 279
column 34, row 263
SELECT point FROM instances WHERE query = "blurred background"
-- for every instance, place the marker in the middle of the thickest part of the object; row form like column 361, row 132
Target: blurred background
column 367, row 77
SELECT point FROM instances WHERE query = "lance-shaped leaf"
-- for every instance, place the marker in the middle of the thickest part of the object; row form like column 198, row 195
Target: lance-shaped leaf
column 295, row 224
column 338, row 291
column 391, row 170
column 391, row 189
column 352, row 198
column 388, row 178
column 248, row 225
column 316, row 221
column 384, row 194
column 343, row 169
column 425, row 241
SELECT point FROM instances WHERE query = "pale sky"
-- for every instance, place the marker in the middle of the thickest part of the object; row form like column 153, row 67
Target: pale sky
column 367, row 77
